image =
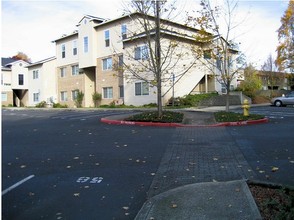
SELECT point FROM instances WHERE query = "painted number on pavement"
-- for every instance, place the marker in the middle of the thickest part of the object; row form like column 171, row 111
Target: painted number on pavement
column 85, row 179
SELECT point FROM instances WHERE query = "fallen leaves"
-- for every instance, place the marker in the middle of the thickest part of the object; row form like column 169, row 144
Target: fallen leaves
column 274, row 169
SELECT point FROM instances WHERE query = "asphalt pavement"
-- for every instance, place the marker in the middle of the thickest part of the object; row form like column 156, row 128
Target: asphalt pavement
column 207, row 182
column 196, row 178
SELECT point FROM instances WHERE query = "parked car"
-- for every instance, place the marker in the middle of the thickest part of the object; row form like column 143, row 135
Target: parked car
column 287, row 99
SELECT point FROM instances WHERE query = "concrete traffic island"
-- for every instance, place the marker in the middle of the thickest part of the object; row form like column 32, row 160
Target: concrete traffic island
column 191, row 119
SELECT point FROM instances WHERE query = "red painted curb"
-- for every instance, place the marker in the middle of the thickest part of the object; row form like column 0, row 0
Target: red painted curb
column 161, row 124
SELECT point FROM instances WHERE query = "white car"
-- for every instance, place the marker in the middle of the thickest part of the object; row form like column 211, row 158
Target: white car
column 287, row 99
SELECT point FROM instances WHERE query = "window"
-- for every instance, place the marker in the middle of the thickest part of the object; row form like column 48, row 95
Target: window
column 107, row 37
column 207, row 54
column 74, row 48
column 121, row 91
column 4, row 97
column 63, row 96
column 36, row 97
column 107, row 64
column 62, row 72
column 141, row 88
column 141, row 53
column 74, row 94
column 1, row 79
column 107, row 93
column 120, row 60
column 20, row 79
column 75, row 70
column 35, row 74
column 219, row 64
column 124, row 31
column 63, row 51
column 86, row 45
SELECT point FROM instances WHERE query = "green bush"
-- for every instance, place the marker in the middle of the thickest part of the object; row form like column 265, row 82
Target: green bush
column 41, row 105
column 193, row 100
column 167, row 117
column 223, row 116
column 96, row 97
column 58, row 105
column 79, row 99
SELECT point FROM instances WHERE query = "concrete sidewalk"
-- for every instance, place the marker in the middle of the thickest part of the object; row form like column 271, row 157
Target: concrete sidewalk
column 209, row 201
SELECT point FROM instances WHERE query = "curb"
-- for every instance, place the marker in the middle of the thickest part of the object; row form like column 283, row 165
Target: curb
column 160, row 124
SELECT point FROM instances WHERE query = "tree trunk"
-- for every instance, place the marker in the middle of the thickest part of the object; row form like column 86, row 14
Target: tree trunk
column 228, row 100
column 158, row 60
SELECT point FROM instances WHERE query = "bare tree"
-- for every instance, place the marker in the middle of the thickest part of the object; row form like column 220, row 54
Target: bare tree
column 221, row 54
column 162, row 54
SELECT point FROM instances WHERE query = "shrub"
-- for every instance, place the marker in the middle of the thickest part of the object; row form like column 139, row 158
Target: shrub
column 79, row 99
column 96, row 97
column 41, row 105
column 58, row 105
column 167, row 117
column 193, row 100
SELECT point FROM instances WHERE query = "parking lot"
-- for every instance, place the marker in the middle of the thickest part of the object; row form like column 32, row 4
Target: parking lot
column 66, row 164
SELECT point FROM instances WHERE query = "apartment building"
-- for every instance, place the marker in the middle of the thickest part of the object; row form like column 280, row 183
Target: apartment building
column 94, row 59
column 14, row 82
column 42, row 82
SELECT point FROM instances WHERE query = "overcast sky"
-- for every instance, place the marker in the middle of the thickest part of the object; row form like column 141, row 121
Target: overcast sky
column 31, row 26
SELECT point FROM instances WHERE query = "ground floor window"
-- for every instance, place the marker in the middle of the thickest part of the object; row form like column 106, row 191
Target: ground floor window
column 74, row 94
column 121, row 91
column 4, row 97
column 63, row 96
column 36, row 97
column 107, row 93
column 141, row 88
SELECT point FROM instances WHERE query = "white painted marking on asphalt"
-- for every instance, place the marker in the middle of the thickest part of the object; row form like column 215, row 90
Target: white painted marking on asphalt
column 17, row 184
column 84, row 179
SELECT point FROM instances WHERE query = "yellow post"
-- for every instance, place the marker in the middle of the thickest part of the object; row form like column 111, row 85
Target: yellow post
column 246, row 107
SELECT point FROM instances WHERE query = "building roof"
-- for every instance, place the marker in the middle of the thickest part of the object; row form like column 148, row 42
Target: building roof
column 5, row 61
column 42, row 61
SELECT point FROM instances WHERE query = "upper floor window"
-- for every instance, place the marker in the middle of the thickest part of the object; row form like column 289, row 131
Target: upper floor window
column 20, row 79
column 62, row 72
column 75, row 70
column 141, row 53
column 107, row 64
column 74, row 47
column 107, row 38
column 141, row 88
column 36, row 74
column 86, row 45
column 124, row 31
column 120, row 60
column 63, row 51
column 207, row 54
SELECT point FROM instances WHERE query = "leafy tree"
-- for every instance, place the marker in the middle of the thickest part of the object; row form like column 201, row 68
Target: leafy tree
column 22, row 56
column 285, row 49
column 162, row 53
column 252, row 82
column 220, row 53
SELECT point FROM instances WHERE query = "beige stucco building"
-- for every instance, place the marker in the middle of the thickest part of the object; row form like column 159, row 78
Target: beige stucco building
column 94, row 59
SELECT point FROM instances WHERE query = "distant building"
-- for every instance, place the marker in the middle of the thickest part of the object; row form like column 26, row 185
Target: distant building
column 92, row 59
column 42, row 82
column 87, row 61
column 14, row 82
